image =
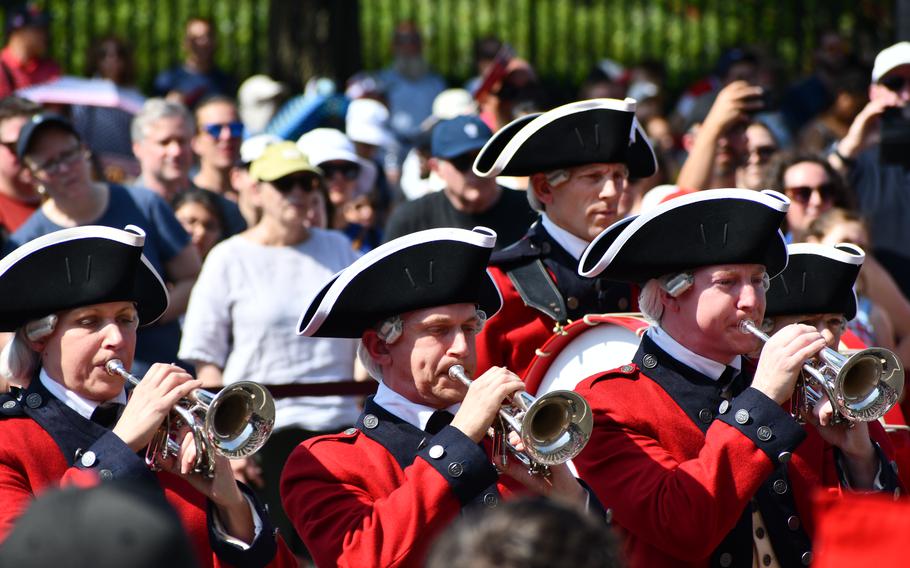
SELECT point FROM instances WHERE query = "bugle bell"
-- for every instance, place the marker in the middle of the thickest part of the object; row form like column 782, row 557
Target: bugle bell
column 863, row 386
column 554, row 428
column 234, row 423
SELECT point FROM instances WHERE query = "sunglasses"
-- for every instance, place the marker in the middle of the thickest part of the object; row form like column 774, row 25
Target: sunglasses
column 895, row 83
column 214, row 130
column 286, row 184
column 348, row 171
column 803, row 194
column 764, row 153
column 464, row 162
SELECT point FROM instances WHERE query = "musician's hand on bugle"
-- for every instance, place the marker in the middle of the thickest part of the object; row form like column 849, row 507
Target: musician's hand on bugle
column 851, row 437
column 233, row 508
column 560, row 484
column 151, row 401
column 486, row 395
column 782, row 358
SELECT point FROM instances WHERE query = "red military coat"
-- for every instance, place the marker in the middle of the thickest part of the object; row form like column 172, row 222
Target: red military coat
column 379, row 494
column 511, row 337
column 680, row 467
column 44, row 443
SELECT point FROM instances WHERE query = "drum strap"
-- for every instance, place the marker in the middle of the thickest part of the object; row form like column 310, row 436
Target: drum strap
column 535, row 286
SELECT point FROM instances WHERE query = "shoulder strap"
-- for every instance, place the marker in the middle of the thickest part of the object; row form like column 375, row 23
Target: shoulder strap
column 535, row 286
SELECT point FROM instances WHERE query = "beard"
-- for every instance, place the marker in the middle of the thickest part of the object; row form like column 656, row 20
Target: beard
column 410, row 66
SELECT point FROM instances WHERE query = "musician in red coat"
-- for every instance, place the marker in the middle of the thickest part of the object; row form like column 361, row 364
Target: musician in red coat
column 75, row 298
column 379, row 493
column 691, row 448
column 579, row 158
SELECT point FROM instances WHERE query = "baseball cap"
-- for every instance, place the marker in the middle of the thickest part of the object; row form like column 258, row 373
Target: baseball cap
column 366, row 122
column 890, row 58
column 458, row 136
column 38, row 124
column 281, row 159
column 254, row 146
column 26, row 16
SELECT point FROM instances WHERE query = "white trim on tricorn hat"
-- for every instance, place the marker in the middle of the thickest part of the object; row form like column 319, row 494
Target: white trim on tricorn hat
column 428, row 268
column 716, row 226
column 77, row 267
column 567, row 136
column 819, row 279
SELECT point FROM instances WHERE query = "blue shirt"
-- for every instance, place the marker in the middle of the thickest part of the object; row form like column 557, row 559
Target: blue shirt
column 164, row 239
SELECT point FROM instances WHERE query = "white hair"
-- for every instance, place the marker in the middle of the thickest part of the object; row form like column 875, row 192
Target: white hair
column 18, row 361
column 155, row 109
column 389, row 331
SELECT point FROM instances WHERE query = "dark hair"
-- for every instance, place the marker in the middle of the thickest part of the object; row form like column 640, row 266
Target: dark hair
column 204, row 198
column 833, row 217
column 486, row 48
column 97, row 51
column 13, row 107
column 785, row 160
column 211, row 100
column 527, row 533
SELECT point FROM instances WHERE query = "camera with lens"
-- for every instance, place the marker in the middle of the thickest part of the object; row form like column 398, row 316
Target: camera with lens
column 895, row 136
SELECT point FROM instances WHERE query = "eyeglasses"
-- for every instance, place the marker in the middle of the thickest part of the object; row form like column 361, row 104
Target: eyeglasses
column 52, row 166
column 464, row 162
column 214, row 130
column 803, row 194
column 287, row 183
column 350, row 171
column 895, row 83
column 764, row 153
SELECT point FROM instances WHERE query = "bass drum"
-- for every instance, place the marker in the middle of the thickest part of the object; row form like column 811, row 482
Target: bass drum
column 595, row 343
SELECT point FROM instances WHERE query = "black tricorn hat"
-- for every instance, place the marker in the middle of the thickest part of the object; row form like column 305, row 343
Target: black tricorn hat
column 429, row 268
column 818, row 280
column 715, row 226
column 579, row 133
column 78, row 267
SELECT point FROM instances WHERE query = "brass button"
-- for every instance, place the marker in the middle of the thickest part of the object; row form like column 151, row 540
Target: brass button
column 455, row 469
column 764, row 433
column 779, row 486
column 726, row 559
column 627, row 369
column 649, row 361
column 784, row 457
column 724, row 407
column 793, row 522
column 705, row 415
column 106, row 475
column 741, row 416
column 88, row 459
column 370, row 421
column 436, row 452
column 9, row 404
column 806, row 558
column 33, row 400
column 490, row 500
column 350, row 431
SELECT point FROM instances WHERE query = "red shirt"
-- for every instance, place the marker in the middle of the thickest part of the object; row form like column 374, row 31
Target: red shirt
column 24, row 73
column 14, row 212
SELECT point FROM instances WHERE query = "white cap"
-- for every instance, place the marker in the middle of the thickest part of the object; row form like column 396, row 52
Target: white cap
column 254, row 146
column 453, row 102
column 367, row 122
column 890, row 58
column 258, row 100
column 323, row 145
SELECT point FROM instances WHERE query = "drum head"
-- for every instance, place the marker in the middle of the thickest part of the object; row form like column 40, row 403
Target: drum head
column 597, row 343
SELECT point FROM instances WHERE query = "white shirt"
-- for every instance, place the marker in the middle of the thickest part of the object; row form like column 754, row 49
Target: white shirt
column 703, row 365
column 573, row 245
column 414, row 414
column 80, row 404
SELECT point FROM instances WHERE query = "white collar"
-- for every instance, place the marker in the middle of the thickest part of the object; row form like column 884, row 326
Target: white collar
column 414, row 414
column 80, row 404
column 703, row 365
column 573, row 245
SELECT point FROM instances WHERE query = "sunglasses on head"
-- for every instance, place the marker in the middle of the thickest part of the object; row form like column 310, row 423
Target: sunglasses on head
column 214, row 130
column 894, row 83
column 348, row 171
column 803, row 194
column 287, row 183
column 464, row 162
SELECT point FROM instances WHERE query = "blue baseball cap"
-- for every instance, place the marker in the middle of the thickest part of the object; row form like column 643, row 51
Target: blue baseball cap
column 460, row 135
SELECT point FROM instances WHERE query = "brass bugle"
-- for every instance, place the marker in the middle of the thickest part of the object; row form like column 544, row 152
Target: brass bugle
column 554, row 428
column 235, row 422
column 863, row 386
